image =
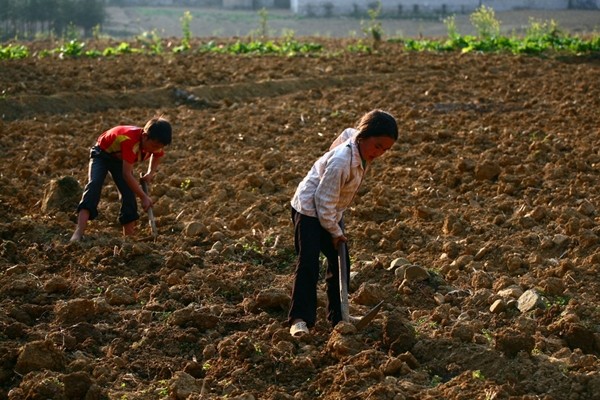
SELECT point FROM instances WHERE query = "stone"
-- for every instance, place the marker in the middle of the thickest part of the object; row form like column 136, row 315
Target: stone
column 498, row 306
column 195, row 228
column 398, row 262
column 530, row 300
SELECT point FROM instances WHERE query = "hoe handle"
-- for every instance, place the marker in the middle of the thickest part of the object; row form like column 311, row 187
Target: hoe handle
column 343, row 282
column 151, row 219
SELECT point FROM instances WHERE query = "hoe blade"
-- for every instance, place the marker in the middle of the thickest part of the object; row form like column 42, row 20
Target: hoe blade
column 368, row 317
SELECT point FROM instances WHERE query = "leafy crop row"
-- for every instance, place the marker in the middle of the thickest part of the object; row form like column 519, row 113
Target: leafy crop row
column 75, row 48
column 540, row 37
column 513, row 45
column 290, row 47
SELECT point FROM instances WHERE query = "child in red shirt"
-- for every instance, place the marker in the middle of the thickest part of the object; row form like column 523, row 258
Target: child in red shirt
column 116, row 151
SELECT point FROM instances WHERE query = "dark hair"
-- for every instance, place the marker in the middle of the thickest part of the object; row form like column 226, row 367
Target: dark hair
column 377, row 123
column 159, row 129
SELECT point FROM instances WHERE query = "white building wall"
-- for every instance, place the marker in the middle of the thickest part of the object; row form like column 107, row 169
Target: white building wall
column 394, row 7
column 247, row 4
column 397, row 7
column 503, row 5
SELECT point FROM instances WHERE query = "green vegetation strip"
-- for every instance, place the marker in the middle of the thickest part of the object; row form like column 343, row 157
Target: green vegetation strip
column 537, row 45
column 527, row 45
column 541, row 37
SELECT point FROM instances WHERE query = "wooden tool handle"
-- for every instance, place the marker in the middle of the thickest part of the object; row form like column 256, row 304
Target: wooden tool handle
column 343, row 282
column 151, row 219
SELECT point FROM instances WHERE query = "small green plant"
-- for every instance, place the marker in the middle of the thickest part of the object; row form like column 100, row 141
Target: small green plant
column 450, row 23
column 435, row 380
column 71, row 33
column 54, row 381
column 187, row 33
column 152, row 41
column 252, row 248
column 72, row 48
column 122, row 48
column 485, row 23
column 186, row 184
column 488, row 335
column 373, row 27
column 93, row 53
column 288, row 35
column 424, row 323
column 164, row 316
column 263, row 23
column 560, row 301
column 13, row 52
column 163, row 392
column 564, row 369
column 97, row 32
column 359, row 47
column 477, row 374
column 541, row 29
column 206, row 366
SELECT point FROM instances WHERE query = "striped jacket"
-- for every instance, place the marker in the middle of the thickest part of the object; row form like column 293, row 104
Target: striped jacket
column 331, row 184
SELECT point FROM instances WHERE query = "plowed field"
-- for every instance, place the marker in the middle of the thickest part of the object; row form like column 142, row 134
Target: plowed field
column 492, row 189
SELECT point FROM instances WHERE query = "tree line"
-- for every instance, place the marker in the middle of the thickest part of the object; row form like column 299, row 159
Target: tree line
column 26, row 19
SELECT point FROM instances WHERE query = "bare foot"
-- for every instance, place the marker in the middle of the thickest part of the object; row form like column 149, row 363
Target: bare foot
column 77, row 235
column 129, row 229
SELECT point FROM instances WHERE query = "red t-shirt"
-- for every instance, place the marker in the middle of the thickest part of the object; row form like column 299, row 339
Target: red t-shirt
column 123, row 142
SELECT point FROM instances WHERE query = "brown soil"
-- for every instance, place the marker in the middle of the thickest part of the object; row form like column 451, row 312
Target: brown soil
column 492, row 188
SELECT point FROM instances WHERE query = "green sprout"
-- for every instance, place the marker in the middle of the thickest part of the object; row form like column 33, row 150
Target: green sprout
column 477, row 374
column 186, row 184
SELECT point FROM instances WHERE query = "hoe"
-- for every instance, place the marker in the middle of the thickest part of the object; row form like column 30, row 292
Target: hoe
column 151, row 219
column 368, row 317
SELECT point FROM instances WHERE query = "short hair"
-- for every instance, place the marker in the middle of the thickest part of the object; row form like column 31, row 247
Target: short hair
column 159, row 129
column 377, row 123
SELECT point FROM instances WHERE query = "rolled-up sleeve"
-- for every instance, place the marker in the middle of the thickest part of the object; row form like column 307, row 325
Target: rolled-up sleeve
column 327, row 195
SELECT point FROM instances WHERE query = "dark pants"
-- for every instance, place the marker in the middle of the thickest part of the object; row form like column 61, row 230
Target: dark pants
column 310, row 240
column 101, row 163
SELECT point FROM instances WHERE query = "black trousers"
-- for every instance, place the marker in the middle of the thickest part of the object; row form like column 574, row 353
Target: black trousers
column 310, row 240
column 101, row 163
